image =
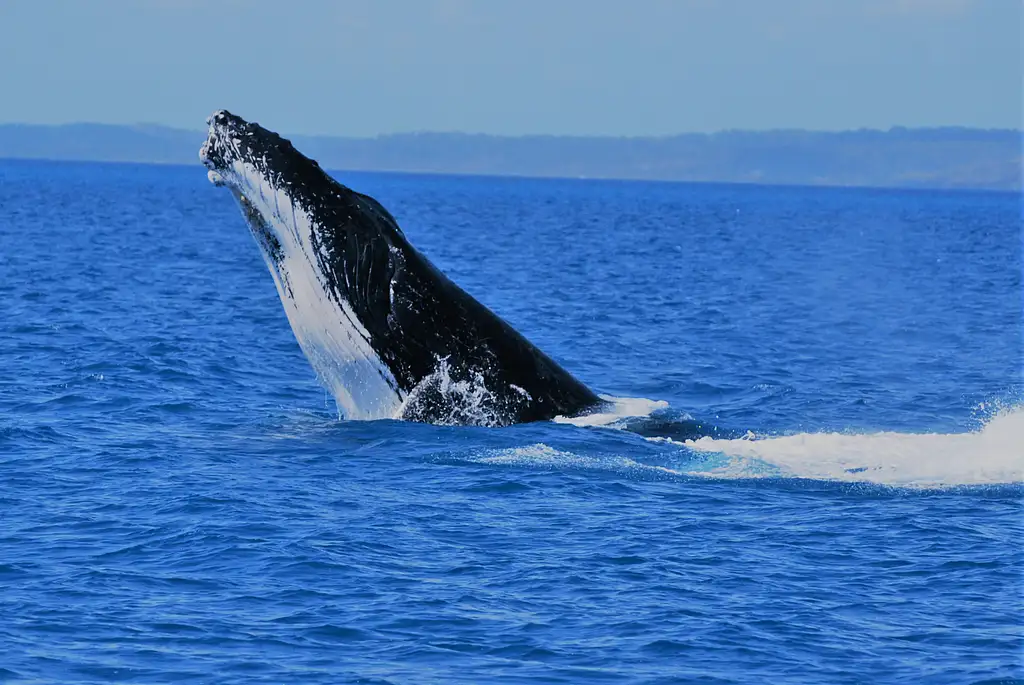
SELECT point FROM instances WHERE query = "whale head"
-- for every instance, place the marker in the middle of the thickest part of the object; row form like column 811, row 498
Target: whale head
column 247, row 157
column 275, row 185
column 331, row 251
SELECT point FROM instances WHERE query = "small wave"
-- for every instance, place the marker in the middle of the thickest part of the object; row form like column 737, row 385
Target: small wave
column 616, row 412
column 992, row 455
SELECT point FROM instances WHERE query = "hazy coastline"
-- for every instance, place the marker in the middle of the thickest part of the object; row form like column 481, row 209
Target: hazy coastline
column 898, row 158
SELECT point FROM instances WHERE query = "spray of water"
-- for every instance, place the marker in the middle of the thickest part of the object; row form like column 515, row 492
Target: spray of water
column 994, row 454
column 991, row 455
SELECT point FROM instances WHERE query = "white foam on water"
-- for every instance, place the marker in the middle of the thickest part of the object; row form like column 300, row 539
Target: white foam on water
column 542, row 455
column 614, row 413
column 992, row 455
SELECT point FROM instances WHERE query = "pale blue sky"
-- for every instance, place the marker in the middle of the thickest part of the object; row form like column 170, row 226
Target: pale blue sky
column 623, row 67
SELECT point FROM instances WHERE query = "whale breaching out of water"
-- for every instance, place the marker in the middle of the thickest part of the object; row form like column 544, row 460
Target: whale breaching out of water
column 387, row 332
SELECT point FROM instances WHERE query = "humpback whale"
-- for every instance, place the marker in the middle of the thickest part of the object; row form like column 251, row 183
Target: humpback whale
column 385, row 330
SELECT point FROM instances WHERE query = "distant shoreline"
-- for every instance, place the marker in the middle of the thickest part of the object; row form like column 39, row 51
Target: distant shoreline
column 937, row 158
column 335, row 171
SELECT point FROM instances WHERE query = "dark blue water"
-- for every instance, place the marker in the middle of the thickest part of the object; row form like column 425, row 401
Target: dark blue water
column 180, row 503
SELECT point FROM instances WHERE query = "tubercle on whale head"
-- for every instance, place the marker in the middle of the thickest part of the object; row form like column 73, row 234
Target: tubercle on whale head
column 249, row 160
column 232, row 142
column 278, row 188
column 258, row 163
column 212, row 153
column 283, row 195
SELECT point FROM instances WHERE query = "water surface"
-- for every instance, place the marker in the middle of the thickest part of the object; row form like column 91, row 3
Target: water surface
column 827, row 488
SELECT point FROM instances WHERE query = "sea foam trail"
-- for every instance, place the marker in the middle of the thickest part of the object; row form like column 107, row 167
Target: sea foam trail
column 542, row 455
column 992, row 455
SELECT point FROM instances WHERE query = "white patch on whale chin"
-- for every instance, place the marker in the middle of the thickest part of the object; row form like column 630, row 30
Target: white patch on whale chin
column 327, row 329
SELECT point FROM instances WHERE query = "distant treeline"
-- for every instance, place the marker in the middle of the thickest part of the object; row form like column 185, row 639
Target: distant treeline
column 899, row 157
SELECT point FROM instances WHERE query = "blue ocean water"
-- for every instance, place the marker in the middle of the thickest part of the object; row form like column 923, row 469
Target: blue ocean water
column 821, row 480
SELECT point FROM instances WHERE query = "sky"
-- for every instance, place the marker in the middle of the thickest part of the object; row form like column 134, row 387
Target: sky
column 513, row 67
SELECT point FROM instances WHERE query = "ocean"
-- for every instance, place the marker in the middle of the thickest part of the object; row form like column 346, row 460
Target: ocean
column 811, row 468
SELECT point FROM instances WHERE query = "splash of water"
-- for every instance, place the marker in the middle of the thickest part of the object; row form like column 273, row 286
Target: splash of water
column 992, row 455
column 452, row 402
